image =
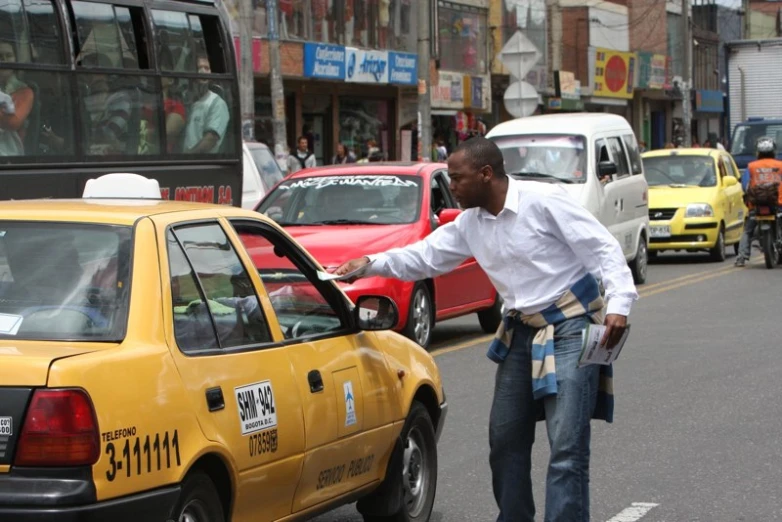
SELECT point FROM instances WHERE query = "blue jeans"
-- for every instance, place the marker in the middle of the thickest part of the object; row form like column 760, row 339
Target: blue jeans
column 514, row 414
column 745, row 245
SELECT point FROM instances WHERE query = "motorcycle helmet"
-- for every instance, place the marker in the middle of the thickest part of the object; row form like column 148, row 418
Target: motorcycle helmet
column 766, row 145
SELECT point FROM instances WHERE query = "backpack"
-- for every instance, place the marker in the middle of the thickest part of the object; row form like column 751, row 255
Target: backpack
column 303, row 160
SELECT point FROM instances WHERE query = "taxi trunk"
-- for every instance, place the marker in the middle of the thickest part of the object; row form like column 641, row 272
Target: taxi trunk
column 24, row 368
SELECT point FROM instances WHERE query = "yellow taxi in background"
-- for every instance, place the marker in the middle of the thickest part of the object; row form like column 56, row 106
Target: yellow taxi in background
column 695, row 201
column 167, row 361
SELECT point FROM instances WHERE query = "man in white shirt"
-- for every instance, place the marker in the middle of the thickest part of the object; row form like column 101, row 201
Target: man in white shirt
column 208, row 118
column 540, row 248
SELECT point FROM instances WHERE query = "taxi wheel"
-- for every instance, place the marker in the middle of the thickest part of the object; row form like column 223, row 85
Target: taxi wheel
column 199, row 501
column 718, row 252
column 420, row 316
column 419, row 469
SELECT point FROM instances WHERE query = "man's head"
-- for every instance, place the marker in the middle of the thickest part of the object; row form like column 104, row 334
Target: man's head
column 476, row 169
column 766, row 148
column 302, row 144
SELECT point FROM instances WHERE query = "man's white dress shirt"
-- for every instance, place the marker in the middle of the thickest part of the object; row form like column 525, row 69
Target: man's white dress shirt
column 534, row 250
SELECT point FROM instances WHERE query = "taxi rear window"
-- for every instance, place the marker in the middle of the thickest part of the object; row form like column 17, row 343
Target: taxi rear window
column 64, row 281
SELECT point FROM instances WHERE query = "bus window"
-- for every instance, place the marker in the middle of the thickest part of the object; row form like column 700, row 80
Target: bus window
column 31, row 101
column 182, row 37
column 111, row 31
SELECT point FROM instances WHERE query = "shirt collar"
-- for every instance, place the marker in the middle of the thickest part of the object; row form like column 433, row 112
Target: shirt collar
column 511, row 200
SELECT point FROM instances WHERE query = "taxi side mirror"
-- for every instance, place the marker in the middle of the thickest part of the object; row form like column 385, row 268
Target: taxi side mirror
column 448, row 215
column 375, row 312
column 729, row 181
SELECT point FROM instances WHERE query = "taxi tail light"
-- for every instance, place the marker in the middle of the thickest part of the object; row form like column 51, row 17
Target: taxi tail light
column 60, row 429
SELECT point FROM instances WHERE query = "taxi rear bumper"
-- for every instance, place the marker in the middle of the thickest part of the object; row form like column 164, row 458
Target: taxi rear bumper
column 69, row 497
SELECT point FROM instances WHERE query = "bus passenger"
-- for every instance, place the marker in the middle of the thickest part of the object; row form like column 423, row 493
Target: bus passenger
column 16, row 102
column 208, row 118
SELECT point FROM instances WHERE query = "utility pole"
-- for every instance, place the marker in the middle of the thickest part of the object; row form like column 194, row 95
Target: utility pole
column 424, row 96
column 745, row 7
column 246, row 73
column 687, row 75
column 278, row 95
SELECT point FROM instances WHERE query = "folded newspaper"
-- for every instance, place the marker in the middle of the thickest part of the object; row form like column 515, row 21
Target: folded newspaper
column 325, row 276
column 592, row 352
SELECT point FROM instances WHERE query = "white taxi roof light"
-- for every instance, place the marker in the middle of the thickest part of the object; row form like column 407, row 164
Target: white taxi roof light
column 122, row 186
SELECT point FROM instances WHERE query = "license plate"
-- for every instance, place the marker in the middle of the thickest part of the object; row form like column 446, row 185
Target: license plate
column 6, row 426
column 660, row 231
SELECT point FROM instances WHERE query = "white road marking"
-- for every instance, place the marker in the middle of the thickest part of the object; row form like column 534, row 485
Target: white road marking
column 635, row 512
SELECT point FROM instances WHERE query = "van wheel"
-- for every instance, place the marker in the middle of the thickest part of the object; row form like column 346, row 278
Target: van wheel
column 640, row 264
column 718, row 252
column 417, row 482
column 199, row 501
column 491, row 318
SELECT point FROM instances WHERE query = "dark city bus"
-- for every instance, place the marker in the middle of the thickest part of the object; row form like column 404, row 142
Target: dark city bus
column 143, row 86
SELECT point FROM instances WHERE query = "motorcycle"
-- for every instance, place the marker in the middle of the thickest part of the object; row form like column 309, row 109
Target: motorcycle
column 769, row 223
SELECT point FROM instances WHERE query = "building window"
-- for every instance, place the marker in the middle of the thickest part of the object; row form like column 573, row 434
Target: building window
column 364, row 127
column 462, row 34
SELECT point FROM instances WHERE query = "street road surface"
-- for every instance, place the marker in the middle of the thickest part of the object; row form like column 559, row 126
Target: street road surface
column 697, row 434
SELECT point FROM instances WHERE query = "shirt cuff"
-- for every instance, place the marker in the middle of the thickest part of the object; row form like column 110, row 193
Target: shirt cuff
column 619, row 306
column 377, row 264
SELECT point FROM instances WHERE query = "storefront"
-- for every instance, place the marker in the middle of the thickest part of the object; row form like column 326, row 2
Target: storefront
column 345, row 95
column 709, row 107
column 460, row 104
column 652, row 104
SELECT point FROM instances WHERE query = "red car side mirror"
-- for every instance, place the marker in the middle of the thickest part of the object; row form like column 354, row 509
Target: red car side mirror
column 447, row 215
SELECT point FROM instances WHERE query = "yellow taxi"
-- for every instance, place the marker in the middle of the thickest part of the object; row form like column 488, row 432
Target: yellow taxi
column 167, row 361
column 695, row 201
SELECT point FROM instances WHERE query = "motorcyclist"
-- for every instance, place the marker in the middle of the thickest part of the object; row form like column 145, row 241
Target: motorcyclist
column 765, row 170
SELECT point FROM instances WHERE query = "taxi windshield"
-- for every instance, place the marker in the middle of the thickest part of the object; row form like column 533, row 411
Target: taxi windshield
column 64, row 281
column 351, row 200
column 680, row 170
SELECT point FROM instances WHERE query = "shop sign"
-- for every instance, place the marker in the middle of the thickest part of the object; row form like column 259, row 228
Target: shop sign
column 709, row 101
column 256, row 54
column 652, row 71
column 364, row 66
column 477, row 92
column 566, row 85
column 564, row 104
column 403, row 68
column 324, row 61
column 449, row 91
column 614, row 73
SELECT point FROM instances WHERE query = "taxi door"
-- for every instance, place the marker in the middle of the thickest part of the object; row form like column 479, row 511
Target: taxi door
column 347, row 390
column 734, row 225
column 237, row 374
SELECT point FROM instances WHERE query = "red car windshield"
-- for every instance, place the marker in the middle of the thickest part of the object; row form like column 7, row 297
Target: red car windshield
column 379, row 199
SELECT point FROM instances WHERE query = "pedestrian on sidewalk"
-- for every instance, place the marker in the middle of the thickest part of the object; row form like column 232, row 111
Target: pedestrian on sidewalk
column 543, row 252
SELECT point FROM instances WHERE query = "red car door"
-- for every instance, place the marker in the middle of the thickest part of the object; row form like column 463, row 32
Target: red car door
column 467, row 286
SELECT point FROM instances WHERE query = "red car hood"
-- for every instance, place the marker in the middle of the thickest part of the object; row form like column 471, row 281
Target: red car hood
column 332, row 245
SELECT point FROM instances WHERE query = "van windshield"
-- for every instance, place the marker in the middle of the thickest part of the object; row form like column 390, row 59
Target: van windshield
column 745, row 136
column 557, row 157
column 64, row 281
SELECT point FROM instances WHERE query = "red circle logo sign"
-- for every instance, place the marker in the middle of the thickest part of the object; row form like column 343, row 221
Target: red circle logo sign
column 615, row 73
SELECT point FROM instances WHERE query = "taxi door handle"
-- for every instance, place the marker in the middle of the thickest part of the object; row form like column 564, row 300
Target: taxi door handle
column 214, row 399
column 316, row 381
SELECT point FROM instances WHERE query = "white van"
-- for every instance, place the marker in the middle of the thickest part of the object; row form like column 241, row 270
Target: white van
column 596, row 159
column 260, row 172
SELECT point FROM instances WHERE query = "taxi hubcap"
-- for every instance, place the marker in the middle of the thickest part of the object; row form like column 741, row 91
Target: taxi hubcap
column 415, row 474
column 194, row 511
column 422, row 317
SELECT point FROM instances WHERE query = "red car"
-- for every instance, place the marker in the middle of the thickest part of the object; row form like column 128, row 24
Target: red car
column 342, row 212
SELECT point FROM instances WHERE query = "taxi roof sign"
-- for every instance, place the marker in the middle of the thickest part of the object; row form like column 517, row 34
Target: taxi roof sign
column 122, row 185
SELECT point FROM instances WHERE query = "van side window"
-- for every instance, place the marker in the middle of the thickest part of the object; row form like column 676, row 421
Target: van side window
column 632, row 151
column 618, row 157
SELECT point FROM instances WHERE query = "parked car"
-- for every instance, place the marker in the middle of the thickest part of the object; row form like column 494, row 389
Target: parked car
column 695, row 201
column 147, row 372
column 260, row 173
column 595, row 157
column 347, row 211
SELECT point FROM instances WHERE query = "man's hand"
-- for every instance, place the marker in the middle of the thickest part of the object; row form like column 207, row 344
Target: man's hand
column 615, row 328
column 350, row 266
